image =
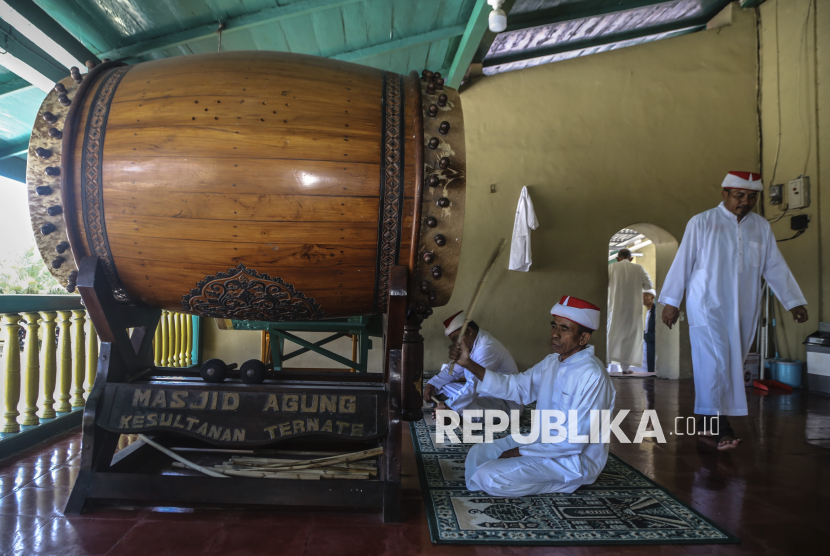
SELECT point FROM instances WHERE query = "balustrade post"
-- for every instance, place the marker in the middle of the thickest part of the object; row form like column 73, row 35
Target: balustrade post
column 78, row 358
column 157, row 345
column 183, row 342
column 11, row 368
column 91, row 355
column 188, row 350
column 175, row 327
column 64, row 362
column 31, row 381
column 165, row 338
column 50, row 371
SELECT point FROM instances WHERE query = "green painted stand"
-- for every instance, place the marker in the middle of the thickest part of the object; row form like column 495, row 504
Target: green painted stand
column 362, row 327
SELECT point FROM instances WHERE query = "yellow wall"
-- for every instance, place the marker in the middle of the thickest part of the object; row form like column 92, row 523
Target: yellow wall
column 642, row 134
column 802, row 54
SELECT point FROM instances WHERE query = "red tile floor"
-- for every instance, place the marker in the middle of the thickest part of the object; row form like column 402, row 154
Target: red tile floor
column 773, row 493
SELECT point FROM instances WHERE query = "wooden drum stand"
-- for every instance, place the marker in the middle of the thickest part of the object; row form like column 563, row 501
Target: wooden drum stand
column 302, row 410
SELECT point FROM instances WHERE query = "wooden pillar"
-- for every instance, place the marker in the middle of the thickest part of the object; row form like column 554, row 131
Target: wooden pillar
column 11, row 372
column 412, row 373
column 78, row 358
column 31, row 381
column 50, row 371
column 91, row 355
column 165, row 338
column 64, row 362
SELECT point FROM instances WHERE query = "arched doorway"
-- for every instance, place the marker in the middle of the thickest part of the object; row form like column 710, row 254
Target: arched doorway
column 653, row 248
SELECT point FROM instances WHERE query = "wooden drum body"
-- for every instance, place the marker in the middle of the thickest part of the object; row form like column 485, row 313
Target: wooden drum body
column 252, row 185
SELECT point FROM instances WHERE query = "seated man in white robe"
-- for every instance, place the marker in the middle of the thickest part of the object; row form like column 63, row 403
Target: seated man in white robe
column 570, row 379
column 461, row 388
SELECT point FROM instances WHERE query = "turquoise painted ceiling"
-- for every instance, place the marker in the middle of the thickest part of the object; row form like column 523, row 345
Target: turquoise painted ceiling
column 394, row 35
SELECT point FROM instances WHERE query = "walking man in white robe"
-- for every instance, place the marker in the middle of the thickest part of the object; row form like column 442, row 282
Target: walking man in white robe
column 723, row 256
column 570, row 379
column 486, row 351
column 626, row 282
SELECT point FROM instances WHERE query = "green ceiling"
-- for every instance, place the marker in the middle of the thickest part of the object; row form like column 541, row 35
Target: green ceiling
column 394, row 35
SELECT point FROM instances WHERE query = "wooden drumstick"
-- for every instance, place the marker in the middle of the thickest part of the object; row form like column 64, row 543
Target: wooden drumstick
column 468, row 316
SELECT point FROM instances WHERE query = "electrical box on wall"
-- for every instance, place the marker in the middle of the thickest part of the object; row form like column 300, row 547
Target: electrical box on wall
column 799, row 193
column 776, row 194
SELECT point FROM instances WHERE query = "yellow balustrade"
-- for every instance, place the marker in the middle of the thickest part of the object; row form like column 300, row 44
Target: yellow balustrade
column 46, row 364
column 31, row 380
column 60, row 360
column 50, row 370
column 173, row 341
column 64, row 362
column 78, row 358
column 11, row 372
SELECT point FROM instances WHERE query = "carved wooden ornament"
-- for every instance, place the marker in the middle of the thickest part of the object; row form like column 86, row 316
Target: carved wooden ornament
column 242, row 293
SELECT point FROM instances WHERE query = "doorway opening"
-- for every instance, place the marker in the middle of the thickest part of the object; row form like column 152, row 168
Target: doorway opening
column 654, row 249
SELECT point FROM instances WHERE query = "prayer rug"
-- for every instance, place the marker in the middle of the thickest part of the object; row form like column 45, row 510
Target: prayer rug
column 622, row 507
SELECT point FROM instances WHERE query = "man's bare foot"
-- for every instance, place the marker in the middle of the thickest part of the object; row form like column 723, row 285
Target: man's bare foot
column 438, row 406
column 728, row 443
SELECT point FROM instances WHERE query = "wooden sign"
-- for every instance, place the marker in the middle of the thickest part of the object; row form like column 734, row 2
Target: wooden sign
column 243, row 415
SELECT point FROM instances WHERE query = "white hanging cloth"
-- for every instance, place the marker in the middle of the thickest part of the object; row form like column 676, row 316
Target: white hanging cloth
column 520, row 258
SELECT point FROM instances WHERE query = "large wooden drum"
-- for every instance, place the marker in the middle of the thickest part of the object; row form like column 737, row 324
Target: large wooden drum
column 252, row 185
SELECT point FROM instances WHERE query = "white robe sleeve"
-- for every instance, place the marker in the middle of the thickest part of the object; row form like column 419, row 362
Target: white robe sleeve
column 681, row 267
column 592, row 396
column 778, row 276
column 522, row 388
column 443, row 377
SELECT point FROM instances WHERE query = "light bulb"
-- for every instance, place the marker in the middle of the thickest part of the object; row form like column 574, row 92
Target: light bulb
column 498, row 21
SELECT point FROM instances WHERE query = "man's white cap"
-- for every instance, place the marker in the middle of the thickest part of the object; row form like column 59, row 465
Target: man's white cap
column 453, row 323
column 578, row 311
column 743, row 180
column 652, row 292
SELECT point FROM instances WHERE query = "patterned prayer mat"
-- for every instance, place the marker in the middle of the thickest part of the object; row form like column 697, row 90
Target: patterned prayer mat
column 621, row 507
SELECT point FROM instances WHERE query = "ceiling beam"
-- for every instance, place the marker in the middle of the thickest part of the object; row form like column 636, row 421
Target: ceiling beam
column 262, row 17
column 13, row 168
column 23, row 57
column 14, row 149
column 681, row 27
column 473, row 33
column 406, row 42
column 36, row 25
column 575, row 10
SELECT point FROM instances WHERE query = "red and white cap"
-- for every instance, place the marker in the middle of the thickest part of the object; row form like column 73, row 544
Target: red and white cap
column 578, row 311
column 453, row 323
column 743, row 180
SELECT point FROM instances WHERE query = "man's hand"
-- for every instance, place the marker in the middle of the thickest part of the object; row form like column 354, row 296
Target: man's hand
column 460, row 354
column 511, row 453
column 799, row 314
column 670, row 315
column 429, row 392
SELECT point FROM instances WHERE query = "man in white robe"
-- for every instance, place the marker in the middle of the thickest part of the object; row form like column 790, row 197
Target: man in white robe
column 723, row 256
column 626, row 282
column 570, row 379
column 461, row 387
